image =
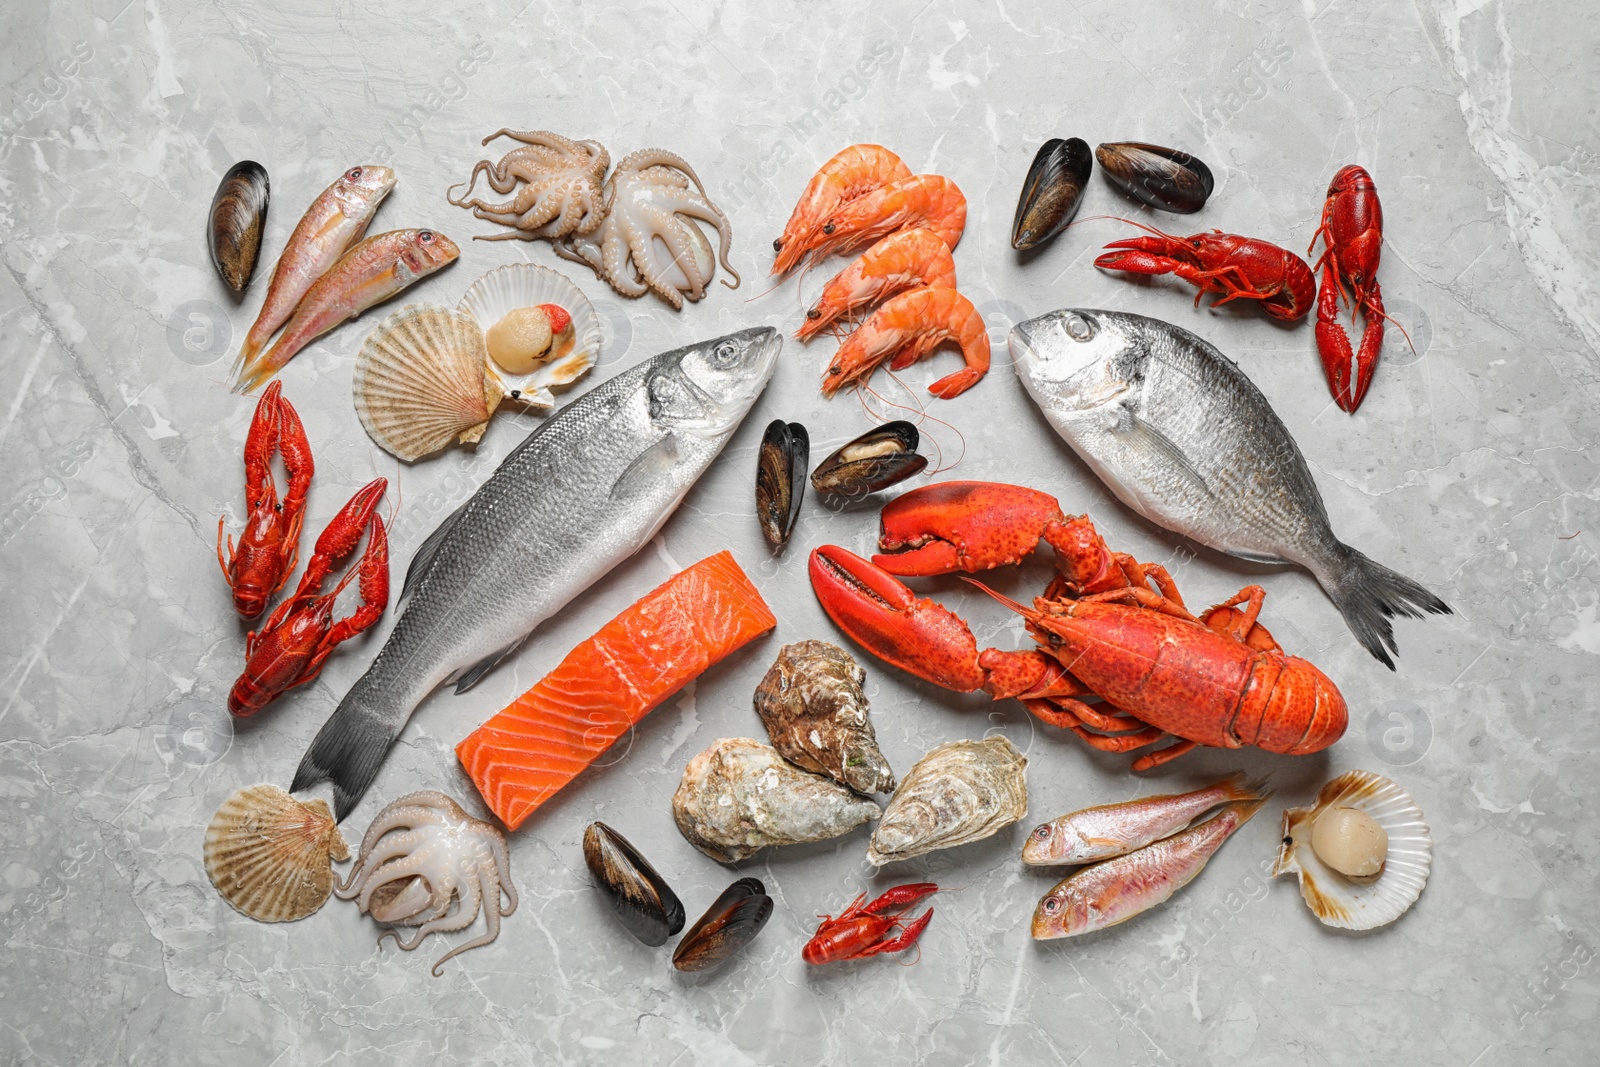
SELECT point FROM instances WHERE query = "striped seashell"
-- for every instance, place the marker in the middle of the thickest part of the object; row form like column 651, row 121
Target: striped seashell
column 423, row 382
column 270, row 855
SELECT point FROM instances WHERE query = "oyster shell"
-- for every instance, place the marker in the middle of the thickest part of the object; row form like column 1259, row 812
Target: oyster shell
column 1163, row 178
column 270, row 855
column 959, row 792
column 876, row 460
column 815, row 711
column 1360, row 903
column 1052, row 191
column 739, row 796
column 641, row 898
column 732, row 922
column 422, row 381
column 238, row 217
column 781, row 464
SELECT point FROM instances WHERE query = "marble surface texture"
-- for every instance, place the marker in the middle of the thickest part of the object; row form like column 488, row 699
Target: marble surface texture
column 1473, row 466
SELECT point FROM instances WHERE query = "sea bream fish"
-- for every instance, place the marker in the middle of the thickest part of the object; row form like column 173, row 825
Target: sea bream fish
column 584, row 492
column 1181, row 436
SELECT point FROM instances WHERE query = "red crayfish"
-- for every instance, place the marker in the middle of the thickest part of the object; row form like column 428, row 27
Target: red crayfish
column 1352, row 237
column 265, row 556
column 1107, row 627
column 291, row 646
column 1240, row 268
column 863, row 929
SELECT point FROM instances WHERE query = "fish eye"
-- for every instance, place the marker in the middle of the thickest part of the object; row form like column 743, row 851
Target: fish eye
column 1042, row 833
column 724, row 353
column 425, row 236
column 354, row 174
column 1052, row 905
column 1078, row 327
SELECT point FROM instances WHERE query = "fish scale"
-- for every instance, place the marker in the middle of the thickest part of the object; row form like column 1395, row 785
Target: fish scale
column 1179, row 433
column 585, row 491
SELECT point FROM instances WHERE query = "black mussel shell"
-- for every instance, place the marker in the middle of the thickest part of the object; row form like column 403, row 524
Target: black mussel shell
column 238, row 219
column 1051, row 193
column 1163, row 178
column 876, row 460
column 728, row 925
column 781, row 479
column 641, row 898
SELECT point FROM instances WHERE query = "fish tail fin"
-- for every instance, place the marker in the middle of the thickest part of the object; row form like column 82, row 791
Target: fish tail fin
column 243, row 361
column 1237, row 786
column 347, row 751
column 250, row 371
column 1368, row 594
column 1246, row 808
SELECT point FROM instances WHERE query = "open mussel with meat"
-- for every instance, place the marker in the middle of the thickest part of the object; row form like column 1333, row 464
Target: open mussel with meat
column 1163, row 178
column 781, row 479
column 879, row 458
column 237, row 219
column 641, row 898
column 732, row 922
column 1052, row 191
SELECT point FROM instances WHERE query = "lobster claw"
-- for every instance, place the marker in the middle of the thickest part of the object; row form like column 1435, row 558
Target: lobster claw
column 893, row 623
column 975, row 526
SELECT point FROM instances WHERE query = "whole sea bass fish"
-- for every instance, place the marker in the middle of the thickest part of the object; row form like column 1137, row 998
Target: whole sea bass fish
column 1185, row 439
column 1109, row 830
column 335, row 220
column 368, row 274
column 1093, row 898
column 584, row 492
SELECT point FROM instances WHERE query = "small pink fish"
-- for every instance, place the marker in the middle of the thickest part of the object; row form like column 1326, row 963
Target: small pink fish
column 1114, row 891
column 368, row 274
column 1116, row 829
column 335, row 220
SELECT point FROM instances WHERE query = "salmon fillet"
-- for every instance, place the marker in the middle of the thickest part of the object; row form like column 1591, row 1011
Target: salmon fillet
column 544, row 738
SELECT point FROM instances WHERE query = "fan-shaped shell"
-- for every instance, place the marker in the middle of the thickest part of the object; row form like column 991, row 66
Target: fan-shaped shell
column 1360, row 903
column 423, row 382
column 270, row 855
column 520, row 285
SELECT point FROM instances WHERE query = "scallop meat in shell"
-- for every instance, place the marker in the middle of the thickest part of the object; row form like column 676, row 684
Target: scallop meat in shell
column 270, row 855
column 959, row 792
column 573, row 351
column 1347, row 901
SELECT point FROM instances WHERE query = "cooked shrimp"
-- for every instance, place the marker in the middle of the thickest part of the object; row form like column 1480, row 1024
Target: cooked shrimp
column 929, row 200
column 908, row 328
column 853, row 173
column 909, row 259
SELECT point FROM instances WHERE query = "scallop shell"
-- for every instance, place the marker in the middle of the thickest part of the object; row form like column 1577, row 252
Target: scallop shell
column 1360, row 903
column 959, row 792
column 423, row 382
column 519, row 285
column 269, row 855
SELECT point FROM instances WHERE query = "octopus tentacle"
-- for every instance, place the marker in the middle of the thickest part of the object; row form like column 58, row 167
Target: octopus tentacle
column 706, row 211
column 404, row 865
column 491, row 921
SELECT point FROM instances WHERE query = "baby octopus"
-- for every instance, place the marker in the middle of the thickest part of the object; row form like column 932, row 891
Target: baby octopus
column 648, row 240
column 561, row 187
column 426, row 863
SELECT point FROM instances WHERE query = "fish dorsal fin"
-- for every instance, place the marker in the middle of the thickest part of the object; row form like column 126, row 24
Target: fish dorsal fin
column 1142, row 435
column 423, row 560
column 473, row 674
column 648, row 466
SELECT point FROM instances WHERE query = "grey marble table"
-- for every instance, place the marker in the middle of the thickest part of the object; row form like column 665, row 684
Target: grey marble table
column 1472, row 466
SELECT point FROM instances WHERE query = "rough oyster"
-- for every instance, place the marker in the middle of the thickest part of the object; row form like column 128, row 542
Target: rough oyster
column 815, row 711
column 960, row 792
column 739, row 796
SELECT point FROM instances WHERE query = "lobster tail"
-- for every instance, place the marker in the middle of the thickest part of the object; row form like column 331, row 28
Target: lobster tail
column 1368, row 595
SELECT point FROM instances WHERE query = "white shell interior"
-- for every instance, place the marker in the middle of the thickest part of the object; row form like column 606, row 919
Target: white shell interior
column 1360, row 904
column 520, row 285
